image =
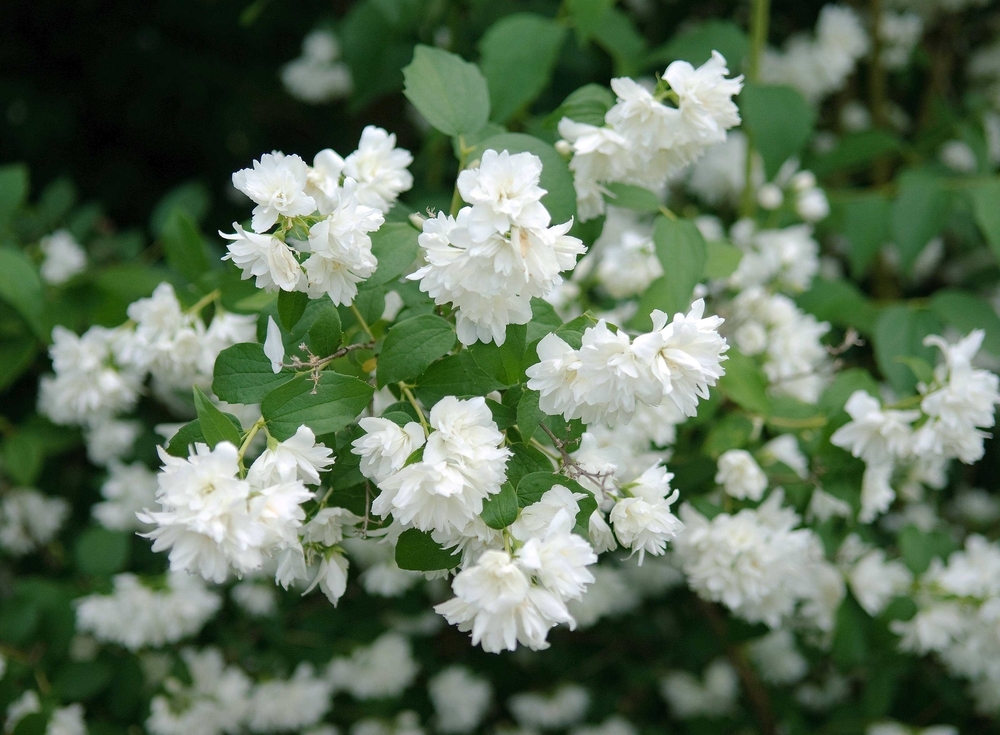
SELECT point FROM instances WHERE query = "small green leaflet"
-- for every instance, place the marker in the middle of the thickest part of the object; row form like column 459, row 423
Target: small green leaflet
column 336, row 402
column 214, row 425
column 418, row 552
column 411, row 346
column 448, row 91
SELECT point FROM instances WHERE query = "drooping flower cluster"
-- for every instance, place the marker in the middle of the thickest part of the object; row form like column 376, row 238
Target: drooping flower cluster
column 610, row 373
column 29, row 519
column 136, row 616
column 495, row 255
column 953, row 411
column 212, row 517
column 324, row 213
column 644, row 140
column 63, row 256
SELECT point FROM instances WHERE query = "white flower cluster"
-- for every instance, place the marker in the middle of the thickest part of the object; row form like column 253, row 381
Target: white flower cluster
column 874, row 581
column 66, row 720
column 565, row 706
column 383, row 669
column 644, row 140
column 821, row 65
column 317, row 76
column 947, row 424
column 222, row 699
column 958, row 618
column 101, row 373
column 491, row 259
column 625, row 256
column 610, row 374
column 334, row 205
column 212, row 517
column 29, row 520
column 127, row 491
column 787, row 340
column 900, row 33
column 137, row 616
column 759, row 564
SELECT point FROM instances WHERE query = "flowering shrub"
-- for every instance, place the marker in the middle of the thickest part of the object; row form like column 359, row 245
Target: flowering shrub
column 668, row 396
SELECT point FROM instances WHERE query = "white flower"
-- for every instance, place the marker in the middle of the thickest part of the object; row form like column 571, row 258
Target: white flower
column 504, row 193
column 274, row 348
column 785, row 449
column 777, row 658
column 110, row 439
column 560, row 559
column 460, row 699
column 265, row 258
column 876, row 491
column 29, row 519
column 812, row 205
column 875, row 435
column 566, row 706
column 340, row 247
column 740, row 475
column 331, row 576
column 256, row 599
column 327, row 526
column 383, row 669
column 704, row 98
column 643, row 521
column 640, row 118
column 127, row 491
column 136, row 616
column 298, row 457
column 535, row 520
column 386, row 446
column 293, row 704
column 276, row 183
column 686, row 355
column 874, row 581
column 67, row 721
column 714, row 696
column 496, row 600
column 379, row 168
column 64, row 257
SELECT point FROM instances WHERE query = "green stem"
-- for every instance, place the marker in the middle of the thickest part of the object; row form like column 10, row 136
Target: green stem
column 405, row 390
column 456, row 197
column 760, row 13
column 257, row 426
column 362, row 322
column 204, row 301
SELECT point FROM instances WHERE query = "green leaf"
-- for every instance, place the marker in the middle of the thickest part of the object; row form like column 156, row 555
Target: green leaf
column 866, row 227
column 22, row 457
column 13, row 190
column 395, row 246
column 411, row 346
column 632, row 197
column 544, row 320
column 500, row 510
column 81, row 680
column 618, row 36
column 745, row 384
column 856, row 151
column 588, row 104
column 243, row 374
column 192, row 200
column 721, row 259
column 899, row 332
column 966, row 312
column 918, row 214
column 326, row 333
column 327, row 407
column 556, row 179
column 517, row 56
column 448, row 91
column 21, row 287
column 779, row 119
column 100, row 552
column 291, row 307
column 16, row 355
column 681, row 250
column 730, row 432
column 986, row 207
column 214, row 424
column 695, row 45
column 418, row 552
column 505, row 363
column 841, row 303
column 184, row 246
column 586, row 16
column 525, row 460
column 35, row 723
column 850, row 635
column 529, row 415
column 191, row 433
column 533, row 486
column 455, row 375
column 919, row 547
column 846, row 382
